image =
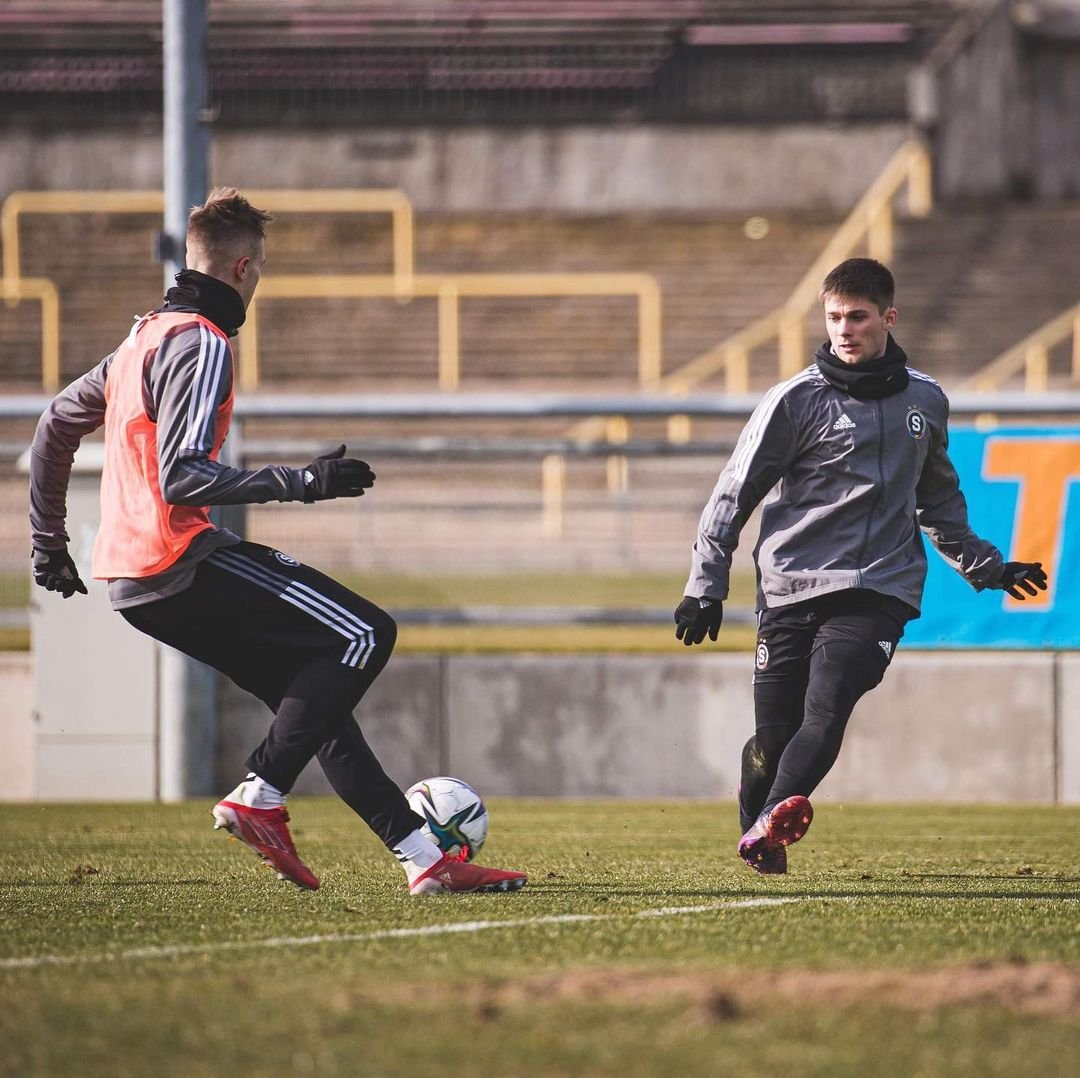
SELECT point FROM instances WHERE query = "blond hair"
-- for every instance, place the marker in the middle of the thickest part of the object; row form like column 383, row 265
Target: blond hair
column 226, row 226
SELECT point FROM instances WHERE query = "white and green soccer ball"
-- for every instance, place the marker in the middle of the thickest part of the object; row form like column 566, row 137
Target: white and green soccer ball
column 455, row 818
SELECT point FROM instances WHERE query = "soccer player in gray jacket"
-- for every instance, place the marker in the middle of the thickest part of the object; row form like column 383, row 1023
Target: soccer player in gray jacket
column 851, row 459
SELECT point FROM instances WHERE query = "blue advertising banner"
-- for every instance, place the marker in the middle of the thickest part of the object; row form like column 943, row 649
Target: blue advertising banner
column 1020, row 488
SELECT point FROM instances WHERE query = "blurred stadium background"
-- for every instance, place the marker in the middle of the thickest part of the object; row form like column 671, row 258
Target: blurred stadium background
column 566, row 197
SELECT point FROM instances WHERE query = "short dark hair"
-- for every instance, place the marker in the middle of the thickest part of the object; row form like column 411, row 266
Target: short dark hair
column 863, row 277
column 226, row 223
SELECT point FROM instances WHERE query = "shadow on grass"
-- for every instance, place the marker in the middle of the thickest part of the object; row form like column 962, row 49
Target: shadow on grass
column 109, row 883
column 598, row 891
column 604, row 892
column 988, row 876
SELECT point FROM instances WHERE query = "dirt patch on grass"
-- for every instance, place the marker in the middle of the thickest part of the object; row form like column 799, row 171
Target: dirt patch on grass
column 1049, row 989
column 1043, row 988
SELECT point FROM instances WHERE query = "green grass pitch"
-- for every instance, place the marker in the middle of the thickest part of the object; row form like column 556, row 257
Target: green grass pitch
column 916, row 940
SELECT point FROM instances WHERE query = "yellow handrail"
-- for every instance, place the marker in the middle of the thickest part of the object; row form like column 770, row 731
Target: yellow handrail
column 449, row 288
column 21, row 202
column 402, row 283
column 285, row 200
column 870, row 222
column 15, row 287
column 44, row 291
column 1032, row 356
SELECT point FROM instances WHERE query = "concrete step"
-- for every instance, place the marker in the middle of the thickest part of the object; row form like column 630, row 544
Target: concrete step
column 974, row 280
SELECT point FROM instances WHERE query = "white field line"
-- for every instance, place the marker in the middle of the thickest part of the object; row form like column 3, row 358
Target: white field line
column 180, row 950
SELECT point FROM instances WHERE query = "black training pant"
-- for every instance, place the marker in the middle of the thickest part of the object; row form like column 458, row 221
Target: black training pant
column 815, row 659
column 308, row 648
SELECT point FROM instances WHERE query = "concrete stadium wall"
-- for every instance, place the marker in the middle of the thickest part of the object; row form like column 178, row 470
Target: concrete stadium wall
column 1003, row 117
column 17, row 728
column 941, row 727
column 586, row 169
column 965, row 727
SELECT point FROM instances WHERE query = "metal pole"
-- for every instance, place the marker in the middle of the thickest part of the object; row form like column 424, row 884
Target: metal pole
column 186, row 688
column 187, row 143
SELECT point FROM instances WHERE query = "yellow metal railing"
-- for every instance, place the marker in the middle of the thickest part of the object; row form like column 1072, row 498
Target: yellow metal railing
column 402, row 284
column 1032, row 356
column 15, row 287
column 19, row 203
column 869, row 225
column 449, row 289
column 330, row 200
column 44, row 291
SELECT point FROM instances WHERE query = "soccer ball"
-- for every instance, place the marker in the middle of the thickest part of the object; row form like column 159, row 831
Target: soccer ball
column 454, row 814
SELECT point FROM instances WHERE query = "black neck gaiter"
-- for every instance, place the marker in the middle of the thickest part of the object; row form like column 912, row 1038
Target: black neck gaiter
column 872, row 380
column 205, row 295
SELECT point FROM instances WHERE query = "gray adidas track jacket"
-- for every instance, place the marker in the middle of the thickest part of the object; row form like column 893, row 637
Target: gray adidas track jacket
column 847, row 483
column 185, row 382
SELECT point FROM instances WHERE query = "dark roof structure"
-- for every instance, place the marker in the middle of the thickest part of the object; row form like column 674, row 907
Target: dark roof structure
column 473, row 60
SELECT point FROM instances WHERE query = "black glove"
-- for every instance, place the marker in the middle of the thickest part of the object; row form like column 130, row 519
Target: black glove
column 1025, row 575
column 696, row 617
column 55, row 571
column 335, row 475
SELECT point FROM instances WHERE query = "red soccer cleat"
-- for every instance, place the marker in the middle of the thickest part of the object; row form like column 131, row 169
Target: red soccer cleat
column 774, row 830
column 266, row 832
column 454, row 875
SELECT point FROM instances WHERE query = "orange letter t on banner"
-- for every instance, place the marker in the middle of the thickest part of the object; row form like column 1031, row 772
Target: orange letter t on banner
column 1044, row 468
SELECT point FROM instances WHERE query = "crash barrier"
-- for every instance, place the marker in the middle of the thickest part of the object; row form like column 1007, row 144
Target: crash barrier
column 940, row 727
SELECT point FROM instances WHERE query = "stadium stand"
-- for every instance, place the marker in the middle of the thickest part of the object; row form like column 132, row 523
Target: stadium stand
column 966, row 293
column 490, row 60
column 962, row 299
column 977, row 278
column 493, row 61
column 713, row 279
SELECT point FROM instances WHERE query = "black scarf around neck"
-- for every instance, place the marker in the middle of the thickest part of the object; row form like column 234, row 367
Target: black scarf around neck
column 872, row 380
column 205, row 295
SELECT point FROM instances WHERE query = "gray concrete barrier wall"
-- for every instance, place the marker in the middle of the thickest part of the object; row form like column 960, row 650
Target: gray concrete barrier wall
column 941, row 727
column 587, row 169
column 17, row 733
column 968, row 727
column 1067, row 729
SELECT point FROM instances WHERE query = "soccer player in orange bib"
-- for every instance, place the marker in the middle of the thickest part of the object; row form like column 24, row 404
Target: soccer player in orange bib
column 299, row 641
